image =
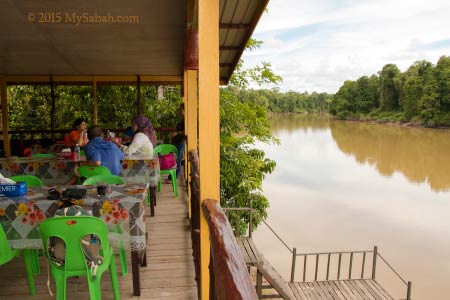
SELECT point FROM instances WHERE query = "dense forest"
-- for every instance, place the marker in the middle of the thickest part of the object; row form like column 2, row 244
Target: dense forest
column 420, row 95
column 289, row 102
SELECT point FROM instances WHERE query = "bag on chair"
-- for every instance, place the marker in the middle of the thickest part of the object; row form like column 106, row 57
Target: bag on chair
column 167, row 161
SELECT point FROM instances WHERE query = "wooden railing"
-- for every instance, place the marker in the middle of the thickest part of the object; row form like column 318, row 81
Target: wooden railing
column 19, row 138
column 229, row 278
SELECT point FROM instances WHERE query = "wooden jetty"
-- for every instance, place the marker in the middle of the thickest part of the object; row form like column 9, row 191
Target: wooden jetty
column 336, row 286
column 169, row 273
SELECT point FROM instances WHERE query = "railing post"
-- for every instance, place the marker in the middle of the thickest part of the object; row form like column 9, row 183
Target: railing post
column 374, row 264
column 408, row 292
column 250, row 220
column 259, row 284
column 294, row 258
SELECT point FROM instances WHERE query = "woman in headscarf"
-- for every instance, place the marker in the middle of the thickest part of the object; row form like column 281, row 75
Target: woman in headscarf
column 144, row 138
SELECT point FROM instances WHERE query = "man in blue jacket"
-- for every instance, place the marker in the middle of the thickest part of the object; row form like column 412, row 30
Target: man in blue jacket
column 102, row 153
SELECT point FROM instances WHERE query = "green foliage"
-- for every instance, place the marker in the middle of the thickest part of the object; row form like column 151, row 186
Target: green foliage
column 389, row 94
column 420, row 95
column 243, row 121
column 260, row 74
column 30, row 106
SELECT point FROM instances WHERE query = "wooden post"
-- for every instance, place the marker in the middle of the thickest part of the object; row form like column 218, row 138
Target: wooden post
column 94, row 96
column 259, row 284
column 209, row 139
column 294, row 260
column 408, row 292
column 5, row 119
column 138, row 91
column 191, row 115
column 52, row 111
column 374, row 263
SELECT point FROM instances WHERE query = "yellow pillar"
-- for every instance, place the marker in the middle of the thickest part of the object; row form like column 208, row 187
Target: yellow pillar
column 209, row 142
column 191, row 118
column 94, row 96
column 5, row 125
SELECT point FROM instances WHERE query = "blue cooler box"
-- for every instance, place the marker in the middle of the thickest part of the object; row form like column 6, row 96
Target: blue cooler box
column 13, row 189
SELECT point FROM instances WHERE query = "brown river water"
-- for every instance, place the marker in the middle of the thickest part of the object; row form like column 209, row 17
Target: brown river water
column 342, row 185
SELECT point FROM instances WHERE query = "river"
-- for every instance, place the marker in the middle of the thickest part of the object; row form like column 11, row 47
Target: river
column 342, row 185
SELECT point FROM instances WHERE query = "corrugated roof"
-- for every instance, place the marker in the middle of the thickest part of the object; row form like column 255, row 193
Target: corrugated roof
column 114, row 37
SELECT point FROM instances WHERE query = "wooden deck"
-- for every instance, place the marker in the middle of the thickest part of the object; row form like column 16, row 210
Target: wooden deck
column 169, row 273
column 356, row 289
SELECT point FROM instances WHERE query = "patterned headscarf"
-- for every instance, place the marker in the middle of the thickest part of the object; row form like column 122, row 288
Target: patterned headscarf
column 145, row 126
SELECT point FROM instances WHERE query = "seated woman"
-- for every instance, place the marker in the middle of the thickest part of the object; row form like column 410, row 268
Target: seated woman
column 78, row 135
column 144, row 138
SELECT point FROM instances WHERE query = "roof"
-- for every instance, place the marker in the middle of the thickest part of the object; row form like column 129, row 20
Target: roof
column 115, row 37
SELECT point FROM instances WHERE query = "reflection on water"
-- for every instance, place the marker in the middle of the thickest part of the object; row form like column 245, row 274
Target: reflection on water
column 349, row 186
column 419, row 154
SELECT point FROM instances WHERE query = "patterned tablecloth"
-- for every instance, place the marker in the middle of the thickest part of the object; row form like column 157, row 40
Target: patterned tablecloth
column 122, row 210
column 51, row 171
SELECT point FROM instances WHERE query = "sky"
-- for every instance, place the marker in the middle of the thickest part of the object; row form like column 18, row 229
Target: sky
column 316, row 45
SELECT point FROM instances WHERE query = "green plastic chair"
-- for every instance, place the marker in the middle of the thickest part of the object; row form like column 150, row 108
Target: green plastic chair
column 29, row 255
column 30, row 180
column 166, row 149
column 43, row 155
column 89, row 171
column 110, row 179
column 72, row 230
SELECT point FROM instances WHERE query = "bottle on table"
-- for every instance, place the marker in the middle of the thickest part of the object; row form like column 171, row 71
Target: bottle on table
column 77, row 152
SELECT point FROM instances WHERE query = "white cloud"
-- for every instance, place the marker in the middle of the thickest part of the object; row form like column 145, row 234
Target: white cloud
column 316, row 45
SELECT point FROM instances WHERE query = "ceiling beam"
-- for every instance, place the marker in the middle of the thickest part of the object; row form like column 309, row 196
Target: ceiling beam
column 230, row 48
column 234, row 26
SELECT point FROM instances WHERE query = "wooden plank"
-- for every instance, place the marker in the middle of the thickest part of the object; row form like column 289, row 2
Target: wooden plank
column 306, row 290
column 323, row 291
column 340, row 290
column 250, row 251
column 301, row 292
column 380, row 289
column 257, row 255
column 325, row 286
column 312, row 291
column 247, row 259
column 371, row 289
column 367, row 290
column 364, row 294
column 343, row 286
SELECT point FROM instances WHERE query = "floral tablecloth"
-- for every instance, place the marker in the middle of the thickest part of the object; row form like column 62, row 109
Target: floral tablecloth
column 51, row 171
column 122, row 210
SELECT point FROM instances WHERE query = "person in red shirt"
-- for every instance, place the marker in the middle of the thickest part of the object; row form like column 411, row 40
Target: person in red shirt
column 78, row 135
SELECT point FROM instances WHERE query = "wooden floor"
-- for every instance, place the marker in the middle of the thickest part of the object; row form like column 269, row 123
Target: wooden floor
column 356, row 289
column 169, row 273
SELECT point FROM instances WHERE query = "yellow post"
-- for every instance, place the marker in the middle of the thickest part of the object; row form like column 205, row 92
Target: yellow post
column 94, row 96
column 191, row 118
column 5, row 125
column 209, row 142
